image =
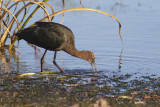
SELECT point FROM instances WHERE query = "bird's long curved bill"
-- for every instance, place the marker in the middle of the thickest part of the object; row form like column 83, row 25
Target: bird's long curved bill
column 94, row 65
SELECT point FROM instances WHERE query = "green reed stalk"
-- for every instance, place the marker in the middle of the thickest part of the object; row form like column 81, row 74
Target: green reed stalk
column 31, row 15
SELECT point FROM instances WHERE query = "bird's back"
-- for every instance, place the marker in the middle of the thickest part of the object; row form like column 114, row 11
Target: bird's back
column 48, row 35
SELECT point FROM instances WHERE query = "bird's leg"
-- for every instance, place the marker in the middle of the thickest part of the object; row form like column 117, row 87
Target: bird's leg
column 42, row 60
column 94, row 64
column 92, row 67
column 54, row 62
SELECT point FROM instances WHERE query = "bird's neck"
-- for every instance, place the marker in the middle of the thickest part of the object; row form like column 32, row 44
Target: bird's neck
column 74, row 52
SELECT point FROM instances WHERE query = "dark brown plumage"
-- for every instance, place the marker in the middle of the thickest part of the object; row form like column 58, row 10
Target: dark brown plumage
column 54, row 37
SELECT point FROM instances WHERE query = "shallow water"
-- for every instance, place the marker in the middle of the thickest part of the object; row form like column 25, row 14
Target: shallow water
column 99, row 33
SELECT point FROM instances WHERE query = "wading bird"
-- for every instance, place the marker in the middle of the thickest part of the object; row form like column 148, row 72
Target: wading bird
column 55, row 37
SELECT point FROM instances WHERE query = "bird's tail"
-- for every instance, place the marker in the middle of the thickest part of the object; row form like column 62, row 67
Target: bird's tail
column 18, row 34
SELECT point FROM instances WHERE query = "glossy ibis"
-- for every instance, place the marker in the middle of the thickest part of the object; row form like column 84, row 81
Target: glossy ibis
column 55, row 37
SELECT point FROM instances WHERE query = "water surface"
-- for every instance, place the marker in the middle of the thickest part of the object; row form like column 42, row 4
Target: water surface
column 99, row 33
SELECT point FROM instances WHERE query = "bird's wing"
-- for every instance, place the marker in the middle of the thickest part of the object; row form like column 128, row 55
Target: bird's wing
column 46, row 24
column 48, row 35
column 25, row 32
column 42, row 23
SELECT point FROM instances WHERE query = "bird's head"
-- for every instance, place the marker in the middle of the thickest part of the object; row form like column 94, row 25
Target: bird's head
column 89, row 56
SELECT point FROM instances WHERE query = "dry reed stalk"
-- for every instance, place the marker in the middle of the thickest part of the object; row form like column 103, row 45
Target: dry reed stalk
column 63, row 12
column 88, row 9
column 7, row 11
